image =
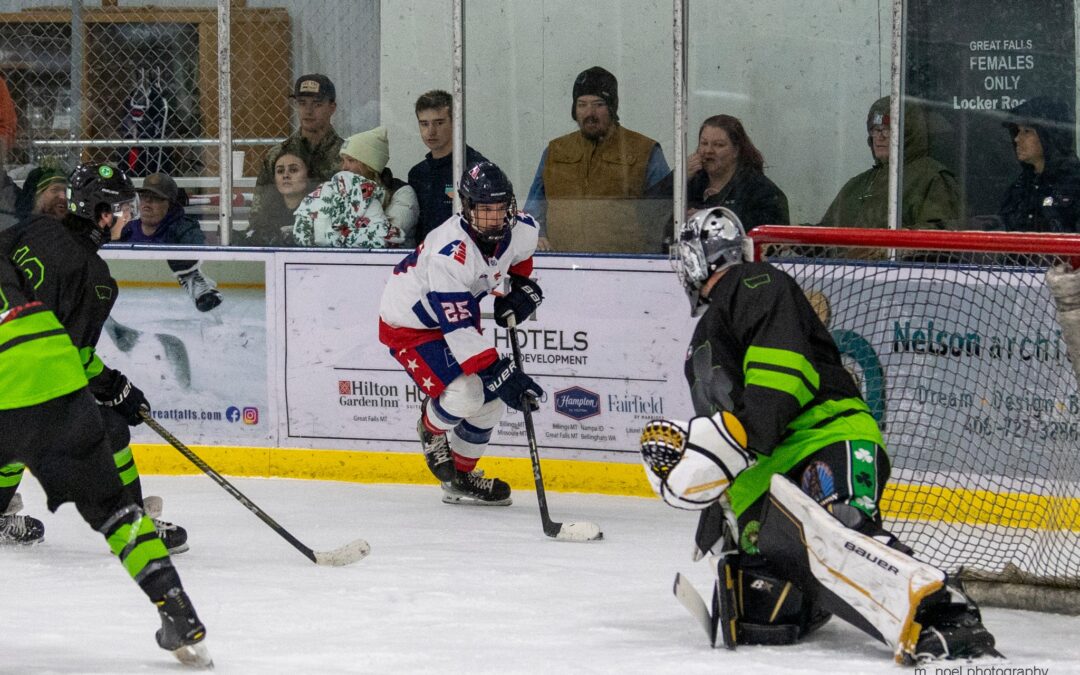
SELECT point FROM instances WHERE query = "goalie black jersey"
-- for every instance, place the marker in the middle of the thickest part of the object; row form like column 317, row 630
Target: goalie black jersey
column 761, row 352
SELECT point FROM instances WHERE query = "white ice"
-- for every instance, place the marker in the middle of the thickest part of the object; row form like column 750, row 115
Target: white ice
column 446, row 589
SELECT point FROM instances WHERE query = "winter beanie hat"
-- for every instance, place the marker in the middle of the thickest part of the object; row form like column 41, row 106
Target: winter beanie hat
column 370, row 147
column 597, row 82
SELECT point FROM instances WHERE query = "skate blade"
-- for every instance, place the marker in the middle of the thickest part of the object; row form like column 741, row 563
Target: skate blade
column 453, row 497
column 194, row 656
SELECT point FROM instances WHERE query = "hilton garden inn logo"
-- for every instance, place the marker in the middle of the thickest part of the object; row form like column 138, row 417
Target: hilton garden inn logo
column 577, row 403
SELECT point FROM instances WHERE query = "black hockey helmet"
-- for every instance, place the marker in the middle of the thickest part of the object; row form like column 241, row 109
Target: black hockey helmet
column 711, row 240
column 485, row 183
column 94, row 186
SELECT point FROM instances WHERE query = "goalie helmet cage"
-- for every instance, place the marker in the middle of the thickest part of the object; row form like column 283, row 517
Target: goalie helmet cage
column 954, row 341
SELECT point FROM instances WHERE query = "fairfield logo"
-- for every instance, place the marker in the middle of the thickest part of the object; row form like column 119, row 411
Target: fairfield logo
column 577, row 403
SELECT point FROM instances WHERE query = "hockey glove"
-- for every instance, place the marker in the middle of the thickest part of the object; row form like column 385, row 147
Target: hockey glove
column 125, row 398
column 691, row 464
column 503, row 380
column 522, row 300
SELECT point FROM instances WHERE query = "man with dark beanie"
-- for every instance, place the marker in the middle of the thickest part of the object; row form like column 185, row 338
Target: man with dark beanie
column 44, row 191
column 587, row 189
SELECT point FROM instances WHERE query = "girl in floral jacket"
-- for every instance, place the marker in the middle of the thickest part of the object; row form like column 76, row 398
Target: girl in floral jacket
column 345, row 212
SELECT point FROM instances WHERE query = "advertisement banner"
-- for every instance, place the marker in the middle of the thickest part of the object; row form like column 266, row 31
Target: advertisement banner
column 204, row 373
column 607, row 345
column 960, row 369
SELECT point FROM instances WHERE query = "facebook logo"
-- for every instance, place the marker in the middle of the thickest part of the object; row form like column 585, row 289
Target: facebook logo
column 232, row 413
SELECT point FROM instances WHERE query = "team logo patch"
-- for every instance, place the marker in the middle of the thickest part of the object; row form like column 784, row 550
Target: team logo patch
column 456, row 250
column 754, row 282
column 105, row 171
column 748, row 538
column 103, row 292
column 818, row 482
column 577, row 403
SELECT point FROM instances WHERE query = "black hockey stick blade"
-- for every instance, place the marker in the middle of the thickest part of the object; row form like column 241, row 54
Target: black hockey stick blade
column 345, row 555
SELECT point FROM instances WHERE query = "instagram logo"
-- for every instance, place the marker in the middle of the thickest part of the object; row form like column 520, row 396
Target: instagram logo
column 251, row 415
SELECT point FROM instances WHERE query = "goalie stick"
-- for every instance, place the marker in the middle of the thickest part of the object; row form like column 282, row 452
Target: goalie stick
column 345, row 555
column 569, row 531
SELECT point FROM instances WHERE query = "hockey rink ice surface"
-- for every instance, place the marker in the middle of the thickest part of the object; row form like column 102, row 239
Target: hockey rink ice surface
column 446, row 589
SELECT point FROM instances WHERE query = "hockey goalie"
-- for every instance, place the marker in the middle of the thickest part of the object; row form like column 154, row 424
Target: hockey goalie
column 787, row 466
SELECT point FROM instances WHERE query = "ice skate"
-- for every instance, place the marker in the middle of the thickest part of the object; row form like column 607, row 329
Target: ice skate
column 173, row 536
column 181, row 630
column 953, row 629
column 437, row 454
column 472, row 488
column 19, row 530
column 201, row 288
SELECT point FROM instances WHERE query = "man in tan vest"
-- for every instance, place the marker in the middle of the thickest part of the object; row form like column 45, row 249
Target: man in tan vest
column 588, row 188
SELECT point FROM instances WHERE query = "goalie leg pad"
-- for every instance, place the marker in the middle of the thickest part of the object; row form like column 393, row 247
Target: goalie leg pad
column 772, row 610
column 863, row 581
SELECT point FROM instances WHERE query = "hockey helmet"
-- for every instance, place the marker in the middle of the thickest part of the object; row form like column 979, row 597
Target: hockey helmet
column 485, row 183
column 711, row 240
column 94, row 189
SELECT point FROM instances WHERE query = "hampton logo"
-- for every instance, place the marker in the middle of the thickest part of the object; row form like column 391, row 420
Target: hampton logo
column 577, row 403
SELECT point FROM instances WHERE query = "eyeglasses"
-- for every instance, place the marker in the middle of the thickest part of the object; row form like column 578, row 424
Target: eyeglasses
column 879, row 131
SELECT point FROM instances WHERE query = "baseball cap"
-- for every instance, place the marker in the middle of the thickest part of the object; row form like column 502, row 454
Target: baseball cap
column 317, row 86
column 161, row 185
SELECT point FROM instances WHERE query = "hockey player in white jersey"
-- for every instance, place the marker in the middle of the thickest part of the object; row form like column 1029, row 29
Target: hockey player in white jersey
column 429, row 317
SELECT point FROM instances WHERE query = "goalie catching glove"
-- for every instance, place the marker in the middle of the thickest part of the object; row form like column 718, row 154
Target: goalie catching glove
column 522, row 300
column 691, row 464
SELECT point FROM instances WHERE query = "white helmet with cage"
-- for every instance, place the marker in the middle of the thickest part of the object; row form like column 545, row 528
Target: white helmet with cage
column 709, row 241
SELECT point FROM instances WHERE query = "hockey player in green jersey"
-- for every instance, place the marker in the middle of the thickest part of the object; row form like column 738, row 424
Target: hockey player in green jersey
column 788, row 465
column 50, row 423
column 61, row 263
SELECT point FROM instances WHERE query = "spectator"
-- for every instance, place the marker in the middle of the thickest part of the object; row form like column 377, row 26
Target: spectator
column 1044, row 197
column 931, row 195
column 314, row 98
column 8, row 122
column 433, row 178
column 162, row 220
column 44, row 191
column 344, row 212
column 585, row 193
column 272, row 224
column 728, row 170
column 366, row 154
column 10, row 198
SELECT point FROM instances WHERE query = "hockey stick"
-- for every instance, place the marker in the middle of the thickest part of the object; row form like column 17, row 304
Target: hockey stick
column 570, row 531
column 347, row 554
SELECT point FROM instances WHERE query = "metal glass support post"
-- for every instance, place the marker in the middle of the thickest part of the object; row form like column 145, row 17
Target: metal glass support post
column 458, row 164
column 896, row 112
column 224, row 24
column 679, row 64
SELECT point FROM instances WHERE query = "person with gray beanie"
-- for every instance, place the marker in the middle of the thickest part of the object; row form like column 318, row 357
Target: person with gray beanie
column 588, row 187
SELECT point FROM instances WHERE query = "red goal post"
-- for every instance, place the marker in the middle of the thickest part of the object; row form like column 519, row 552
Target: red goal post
column 954, row 340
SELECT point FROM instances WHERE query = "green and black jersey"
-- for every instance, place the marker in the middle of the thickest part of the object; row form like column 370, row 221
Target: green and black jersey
column 37, row 360
column 65, row 272
column 761, row 352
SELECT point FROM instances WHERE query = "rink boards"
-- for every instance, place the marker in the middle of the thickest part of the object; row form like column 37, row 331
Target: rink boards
column 287, row 377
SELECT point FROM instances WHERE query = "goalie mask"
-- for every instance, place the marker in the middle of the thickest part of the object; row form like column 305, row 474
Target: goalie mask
column 97, row 189
column 487, row 204
column 711, row 240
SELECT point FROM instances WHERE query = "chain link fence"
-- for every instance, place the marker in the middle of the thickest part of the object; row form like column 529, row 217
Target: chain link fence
column 137, row 84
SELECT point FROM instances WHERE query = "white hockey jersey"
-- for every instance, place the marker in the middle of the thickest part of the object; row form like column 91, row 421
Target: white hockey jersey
column 435, row 292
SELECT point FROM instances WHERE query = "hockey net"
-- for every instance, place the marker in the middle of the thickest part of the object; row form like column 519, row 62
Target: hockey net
column 954, row 340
